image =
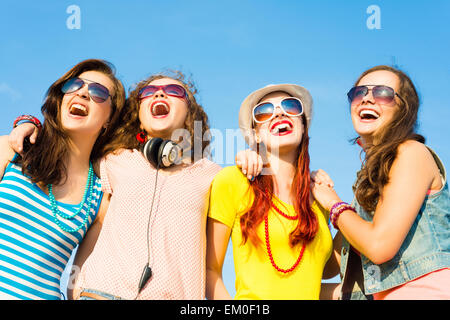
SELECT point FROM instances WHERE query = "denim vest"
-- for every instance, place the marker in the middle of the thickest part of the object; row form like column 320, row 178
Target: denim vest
column 425, row 249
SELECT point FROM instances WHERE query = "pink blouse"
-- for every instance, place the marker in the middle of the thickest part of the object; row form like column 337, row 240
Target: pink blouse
column 177, row 245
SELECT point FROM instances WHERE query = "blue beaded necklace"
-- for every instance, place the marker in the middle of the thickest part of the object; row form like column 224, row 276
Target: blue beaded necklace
column 56, row 212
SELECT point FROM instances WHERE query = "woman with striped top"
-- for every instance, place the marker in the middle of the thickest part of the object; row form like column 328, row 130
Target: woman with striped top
column 49, row 194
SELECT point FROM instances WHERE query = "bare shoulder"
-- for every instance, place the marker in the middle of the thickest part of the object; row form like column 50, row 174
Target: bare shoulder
column 412, row 150
column 415, row 158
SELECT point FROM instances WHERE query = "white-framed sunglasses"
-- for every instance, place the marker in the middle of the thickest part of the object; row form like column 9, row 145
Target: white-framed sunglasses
column 265, row 111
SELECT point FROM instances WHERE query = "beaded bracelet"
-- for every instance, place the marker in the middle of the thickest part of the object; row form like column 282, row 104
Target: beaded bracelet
column 337, row 204
column 18, row 123
column 28, row 118
column 336, row 211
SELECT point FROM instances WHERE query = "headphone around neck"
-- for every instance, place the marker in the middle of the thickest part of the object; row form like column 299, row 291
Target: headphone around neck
column 161, row 153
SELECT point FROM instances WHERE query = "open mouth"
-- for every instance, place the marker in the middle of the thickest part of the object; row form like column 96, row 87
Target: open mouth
column 78, row 110
column 160, row 109
column 281, row 128
column 368, row 115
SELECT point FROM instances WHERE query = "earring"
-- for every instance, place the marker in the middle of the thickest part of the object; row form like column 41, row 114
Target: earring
column 358, row 142
column 141, row 137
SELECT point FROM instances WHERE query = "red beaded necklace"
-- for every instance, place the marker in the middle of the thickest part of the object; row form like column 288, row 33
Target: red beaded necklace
column 269, row 249
column 282, row 213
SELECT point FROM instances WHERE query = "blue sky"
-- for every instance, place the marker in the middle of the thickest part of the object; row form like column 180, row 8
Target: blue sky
column 232, row 48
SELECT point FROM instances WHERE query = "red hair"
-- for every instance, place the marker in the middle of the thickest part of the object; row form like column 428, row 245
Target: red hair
column 262, row 186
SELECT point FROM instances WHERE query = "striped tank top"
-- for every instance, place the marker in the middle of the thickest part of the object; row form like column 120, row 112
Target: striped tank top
column 34, row 250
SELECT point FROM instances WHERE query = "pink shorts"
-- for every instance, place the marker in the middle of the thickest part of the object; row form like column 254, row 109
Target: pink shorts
column 432, row 286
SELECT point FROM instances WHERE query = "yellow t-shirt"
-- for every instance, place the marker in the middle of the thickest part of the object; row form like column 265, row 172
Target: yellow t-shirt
column 256, row 278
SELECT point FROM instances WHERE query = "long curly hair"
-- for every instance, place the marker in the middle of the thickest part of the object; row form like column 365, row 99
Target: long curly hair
column 45, row 160
column 125, row 137
column 380, row 155
column 263, row 187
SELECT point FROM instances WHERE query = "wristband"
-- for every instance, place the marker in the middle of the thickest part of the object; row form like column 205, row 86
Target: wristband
column 28, row 118
column 337, row 204
column 336, row 212
column 19, row 122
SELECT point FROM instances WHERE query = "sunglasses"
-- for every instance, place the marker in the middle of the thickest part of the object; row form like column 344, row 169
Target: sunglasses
column 97, row 92
column 173, row 90
column 381, row 94
column 265, row 111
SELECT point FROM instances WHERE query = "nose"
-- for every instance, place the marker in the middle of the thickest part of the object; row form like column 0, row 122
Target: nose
column 368, row 98
column 83, row 92
column 278, row 111
column 159, row 94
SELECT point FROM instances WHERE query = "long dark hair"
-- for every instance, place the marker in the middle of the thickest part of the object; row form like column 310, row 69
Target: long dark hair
column 374, row 174
column 45, row 160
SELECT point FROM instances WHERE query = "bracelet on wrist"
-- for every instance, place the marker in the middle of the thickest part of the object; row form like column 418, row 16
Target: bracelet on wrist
column 18, row 123
column 337, row 204
column 336, row 211
column 27, row 118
